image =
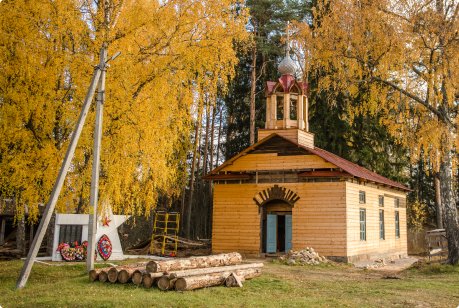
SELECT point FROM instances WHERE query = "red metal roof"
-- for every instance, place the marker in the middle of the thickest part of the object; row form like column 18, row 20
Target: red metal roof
column 286, row 81
column 354, row 169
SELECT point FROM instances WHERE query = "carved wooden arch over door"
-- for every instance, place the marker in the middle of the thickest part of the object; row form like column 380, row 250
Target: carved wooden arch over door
column 276, row 193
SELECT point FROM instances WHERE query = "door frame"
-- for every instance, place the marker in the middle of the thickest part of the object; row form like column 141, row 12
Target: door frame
column 287, row 210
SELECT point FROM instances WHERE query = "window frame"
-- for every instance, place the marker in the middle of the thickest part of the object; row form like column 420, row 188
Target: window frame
column 396, row 203
column 293, row 106
column 381, row 200
column 280, row 107
column 382, row 228
column 362, row 193
column 363, row 224
column 397, row 224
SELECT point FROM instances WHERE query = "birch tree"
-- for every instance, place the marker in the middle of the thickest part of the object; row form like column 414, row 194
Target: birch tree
column 171, row 51
column 405, row 54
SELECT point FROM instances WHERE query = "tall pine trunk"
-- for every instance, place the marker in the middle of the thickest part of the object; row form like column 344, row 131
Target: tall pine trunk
column 206, row 142
column 220, row 123
column 211, row 166
column 205, row 197
column 193, row 168
column 253, row 83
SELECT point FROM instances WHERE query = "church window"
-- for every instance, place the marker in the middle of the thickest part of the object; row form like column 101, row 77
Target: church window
column 293, row 107
column 280, row 107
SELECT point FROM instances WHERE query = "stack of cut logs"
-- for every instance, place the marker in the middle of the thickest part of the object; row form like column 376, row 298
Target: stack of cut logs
column 183, row 274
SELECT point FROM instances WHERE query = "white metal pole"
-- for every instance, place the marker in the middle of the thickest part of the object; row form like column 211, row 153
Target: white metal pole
column 22, row 280
column 93, row 201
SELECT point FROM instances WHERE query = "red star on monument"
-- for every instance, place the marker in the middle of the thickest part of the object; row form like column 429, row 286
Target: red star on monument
column 105, row 221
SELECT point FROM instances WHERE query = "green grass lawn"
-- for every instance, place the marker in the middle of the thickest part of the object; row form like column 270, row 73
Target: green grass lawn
column 279, row 286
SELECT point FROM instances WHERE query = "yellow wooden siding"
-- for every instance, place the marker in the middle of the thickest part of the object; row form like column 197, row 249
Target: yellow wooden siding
column 374, row 246
column 270, row 161
column 236, row 222
column 318, row 218
column 296, row 135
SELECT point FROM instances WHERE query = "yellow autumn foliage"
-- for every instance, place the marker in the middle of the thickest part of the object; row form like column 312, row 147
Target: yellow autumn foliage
column 173, row 53
column 404, row 54
column 417, row 215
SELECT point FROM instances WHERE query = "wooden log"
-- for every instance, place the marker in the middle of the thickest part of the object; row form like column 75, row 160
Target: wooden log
column 234, row 280
column 94, row 274
column 149, row 279
column 216, row 279
column 137, row 276
column 103, row 275
column 123, row 272
column 113, row 274
column 194, row 262
column 165, row 283
column 211, row 270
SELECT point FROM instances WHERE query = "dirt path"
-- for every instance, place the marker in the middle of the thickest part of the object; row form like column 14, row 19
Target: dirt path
column 339, row 272
column 394, row 266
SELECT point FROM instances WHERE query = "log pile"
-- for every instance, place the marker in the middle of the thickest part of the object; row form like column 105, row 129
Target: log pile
column 306, row 256
column 183, row 274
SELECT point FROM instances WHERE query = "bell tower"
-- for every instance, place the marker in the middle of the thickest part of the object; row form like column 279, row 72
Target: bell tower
column 287, row 110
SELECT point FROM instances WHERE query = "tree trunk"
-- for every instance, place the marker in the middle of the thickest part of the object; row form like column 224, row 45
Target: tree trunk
column 211, row 167
column 50, row 235
column 449, row 205
column 193, row 167
column 206, row 141
column 211, row 161
column 2, row 230
column 219, row 136
column 438, row 205
column 253, row 82
column 205, row 197
column 197, row 282
column 20, row 236
column 194, row 262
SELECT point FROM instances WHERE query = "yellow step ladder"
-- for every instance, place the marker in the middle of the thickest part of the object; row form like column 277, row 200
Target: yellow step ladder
column 165, row 233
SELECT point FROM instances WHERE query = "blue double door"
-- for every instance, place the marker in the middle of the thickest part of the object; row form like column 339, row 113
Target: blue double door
column 278, row 233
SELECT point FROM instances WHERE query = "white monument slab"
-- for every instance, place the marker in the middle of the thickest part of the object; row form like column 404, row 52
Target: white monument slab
column 111, row 230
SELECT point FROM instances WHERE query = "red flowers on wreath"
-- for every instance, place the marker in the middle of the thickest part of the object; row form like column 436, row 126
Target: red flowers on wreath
column 73, row 251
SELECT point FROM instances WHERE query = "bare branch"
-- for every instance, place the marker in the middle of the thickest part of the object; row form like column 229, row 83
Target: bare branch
column 444, row 118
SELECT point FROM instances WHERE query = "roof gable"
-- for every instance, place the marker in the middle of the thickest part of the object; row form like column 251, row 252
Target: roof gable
column 277, row 144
